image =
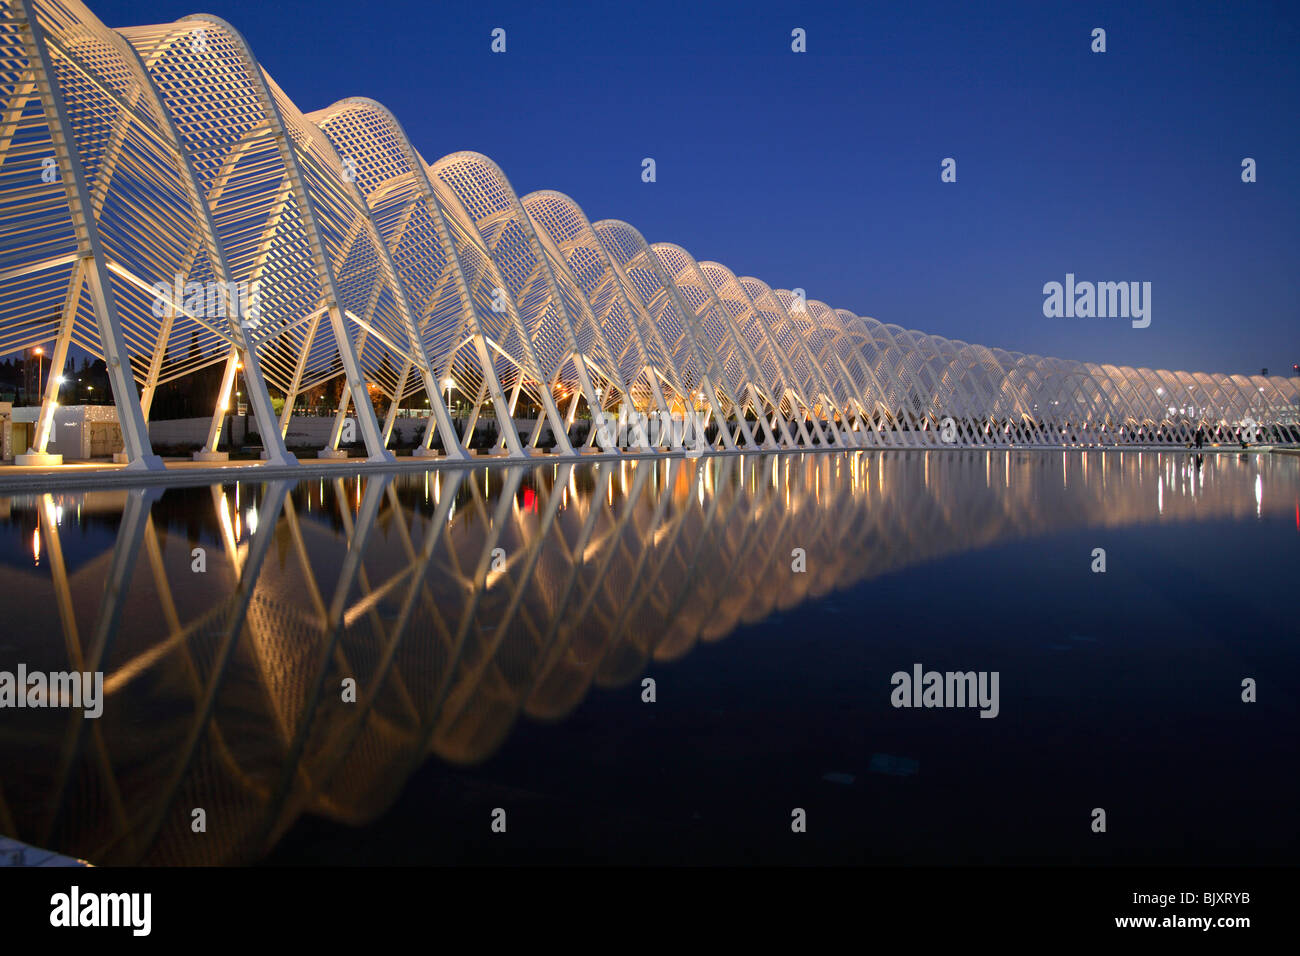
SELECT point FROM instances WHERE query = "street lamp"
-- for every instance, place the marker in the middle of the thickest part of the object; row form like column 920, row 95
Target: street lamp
column 40, row 352
column 449, row 383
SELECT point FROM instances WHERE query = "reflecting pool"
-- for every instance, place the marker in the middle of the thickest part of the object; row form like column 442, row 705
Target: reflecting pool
column 664, row 661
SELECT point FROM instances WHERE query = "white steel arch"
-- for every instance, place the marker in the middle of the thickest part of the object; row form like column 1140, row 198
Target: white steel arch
column 143, row 168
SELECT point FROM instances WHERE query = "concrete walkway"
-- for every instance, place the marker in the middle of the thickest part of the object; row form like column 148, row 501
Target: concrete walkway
column 15, row 853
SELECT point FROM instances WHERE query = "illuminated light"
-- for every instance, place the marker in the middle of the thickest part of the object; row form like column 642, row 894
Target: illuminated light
column 36, row 546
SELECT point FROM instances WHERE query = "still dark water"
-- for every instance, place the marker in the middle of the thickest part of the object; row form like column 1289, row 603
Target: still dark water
column 499, row 625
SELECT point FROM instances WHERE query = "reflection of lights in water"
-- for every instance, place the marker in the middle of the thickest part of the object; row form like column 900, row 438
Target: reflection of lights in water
column 1160, row 494
column 58, row 514
column 835, row 522
column 36, row 547
column 223, row 516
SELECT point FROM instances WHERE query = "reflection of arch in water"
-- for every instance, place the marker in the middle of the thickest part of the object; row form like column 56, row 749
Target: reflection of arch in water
column 392, row 582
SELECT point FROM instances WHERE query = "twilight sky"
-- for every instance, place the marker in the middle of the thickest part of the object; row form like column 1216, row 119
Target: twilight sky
column 822, row 169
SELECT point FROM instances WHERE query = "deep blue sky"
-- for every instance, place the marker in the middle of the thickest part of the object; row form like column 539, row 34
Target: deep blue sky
column 821, row 170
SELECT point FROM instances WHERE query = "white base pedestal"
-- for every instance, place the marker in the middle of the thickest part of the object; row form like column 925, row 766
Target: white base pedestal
column 38, row 458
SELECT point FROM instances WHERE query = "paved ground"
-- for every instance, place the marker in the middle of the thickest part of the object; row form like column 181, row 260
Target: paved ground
column 76, row 475
column 84, row 475
column 14, row 853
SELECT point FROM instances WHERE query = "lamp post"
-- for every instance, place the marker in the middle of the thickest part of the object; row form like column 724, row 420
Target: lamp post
column 449, row 383
column 40, row 359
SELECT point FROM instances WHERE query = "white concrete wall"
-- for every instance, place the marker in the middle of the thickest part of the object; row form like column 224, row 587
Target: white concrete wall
column 179, row 431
